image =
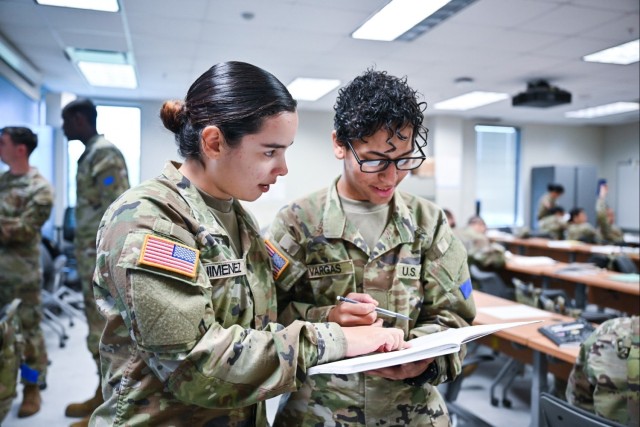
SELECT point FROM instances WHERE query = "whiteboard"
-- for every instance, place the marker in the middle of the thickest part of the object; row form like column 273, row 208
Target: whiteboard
column 628, row 196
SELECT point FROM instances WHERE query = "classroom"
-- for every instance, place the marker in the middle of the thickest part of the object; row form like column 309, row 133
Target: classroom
column 553, row 112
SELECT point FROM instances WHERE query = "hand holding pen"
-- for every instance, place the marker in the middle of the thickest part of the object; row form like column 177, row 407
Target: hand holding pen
column 359, row 309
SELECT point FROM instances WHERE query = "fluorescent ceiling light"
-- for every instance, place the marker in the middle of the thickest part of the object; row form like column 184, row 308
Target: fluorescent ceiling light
column 626, row 53
column 101, row 5
column 109, row 75
column 396, row 18
column 603, row 110
column 471, row 100
column 306, row 89
column 104, row 68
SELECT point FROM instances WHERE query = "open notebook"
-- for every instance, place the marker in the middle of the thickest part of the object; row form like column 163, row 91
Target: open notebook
column 432, row 345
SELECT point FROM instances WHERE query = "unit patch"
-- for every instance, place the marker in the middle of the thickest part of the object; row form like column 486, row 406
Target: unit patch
column 167, row 255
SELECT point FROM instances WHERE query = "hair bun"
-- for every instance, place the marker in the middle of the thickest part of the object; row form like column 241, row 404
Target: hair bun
column 174, row 115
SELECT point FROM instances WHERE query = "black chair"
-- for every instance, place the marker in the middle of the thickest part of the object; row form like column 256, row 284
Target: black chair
column 490, row 283
column 555, row 412
column 623, row 264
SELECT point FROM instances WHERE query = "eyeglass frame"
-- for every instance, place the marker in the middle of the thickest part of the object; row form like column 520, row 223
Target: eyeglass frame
column 387, row 162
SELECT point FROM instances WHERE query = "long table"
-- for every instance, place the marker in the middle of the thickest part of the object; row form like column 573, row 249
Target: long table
column 603, row 289
column 531, row 347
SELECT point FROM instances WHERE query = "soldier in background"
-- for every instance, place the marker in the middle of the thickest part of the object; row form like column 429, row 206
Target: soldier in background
column 481, row 251
column 549, row 200
column 102, row 176
column 605, row 216
column 26, row 200
column 363, row 239
column 606, row 377
column 554, row 225
column 578, row 227
column 450, row 218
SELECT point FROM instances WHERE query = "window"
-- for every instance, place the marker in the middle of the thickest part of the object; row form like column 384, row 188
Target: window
column 121, row 126
column 497, row 166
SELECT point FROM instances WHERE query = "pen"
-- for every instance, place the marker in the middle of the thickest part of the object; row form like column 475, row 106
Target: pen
column 379, row 310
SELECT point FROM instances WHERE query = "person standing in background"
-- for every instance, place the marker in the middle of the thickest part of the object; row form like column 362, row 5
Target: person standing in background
column 549, row 200
column 102, row 176
column 605, row 217
column 606, row 377
column 361, row 238
column 26, row 200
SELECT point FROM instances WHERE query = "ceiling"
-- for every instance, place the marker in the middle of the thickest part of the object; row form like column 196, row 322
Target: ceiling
column 500, row 44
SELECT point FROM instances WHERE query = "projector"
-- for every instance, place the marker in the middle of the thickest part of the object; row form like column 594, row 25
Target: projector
column 541, row 94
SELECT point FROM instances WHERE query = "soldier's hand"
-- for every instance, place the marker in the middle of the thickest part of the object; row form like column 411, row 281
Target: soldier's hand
column 349, row 314
column 367, row 339
column 401, row 372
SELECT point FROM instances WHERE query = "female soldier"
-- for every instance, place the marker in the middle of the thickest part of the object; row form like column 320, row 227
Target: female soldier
column 183, row 277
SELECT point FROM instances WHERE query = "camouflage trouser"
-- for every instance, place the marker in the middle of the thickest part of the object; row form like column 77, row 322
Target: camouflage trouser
column 30, row 313
column 11, row 347
column 86, row 260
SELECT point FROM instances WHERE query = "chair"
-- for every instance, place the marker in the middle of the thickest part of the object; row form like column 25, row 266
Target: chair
column 623, row 264
column 490, row 283
column 555, row 412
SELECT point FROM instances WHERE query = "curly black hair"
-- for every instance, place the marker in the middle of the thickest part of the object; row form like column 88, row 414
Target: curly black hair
column 376, row 100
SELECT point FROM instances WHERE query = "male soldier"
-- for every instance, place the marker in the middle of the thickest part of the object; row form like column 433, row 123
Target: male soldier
column 362, row 239
column 606, row 377
column 480, row 250
column 102, row 177
column 605, row 217
column 26, row 200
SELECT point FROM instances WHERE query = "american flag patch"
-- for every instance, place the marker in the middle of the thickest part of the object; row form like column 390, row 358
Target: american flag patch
column 278, row 261
column 168, row 255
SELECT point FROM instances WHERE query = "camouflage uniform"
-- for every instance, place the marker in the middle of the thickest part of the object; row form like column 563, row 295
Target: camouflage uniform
column 545, row 203
column 101, row 178
column 609, row 232
column 202, row 350
column 25, row 204
column 606, row 377
column 418, row 268
column 10, row 351
column 584, row 232
column 553, row 225
column 480, row 250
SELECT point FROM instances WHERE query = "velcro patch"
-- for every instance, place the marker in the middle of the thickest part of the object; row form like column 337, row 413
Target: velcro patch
column 330, row 269
column 408, row 271
column 279, row 262
column 220, row 270
column 466, row 288
column 167, row 255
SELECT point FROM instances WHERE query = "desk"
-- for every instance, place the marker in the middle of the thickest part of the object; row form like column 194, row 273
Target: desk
column 531, row 346
column 603, row 290
column 563, row 250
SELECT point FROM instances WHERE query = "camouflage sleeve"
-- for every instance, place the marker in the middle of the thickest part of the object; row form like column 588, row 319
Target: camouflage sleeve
column 109, row 176
column 284, row 237
column 175, row 329
column 579, row 389
column 448, row 299
column 27, row 225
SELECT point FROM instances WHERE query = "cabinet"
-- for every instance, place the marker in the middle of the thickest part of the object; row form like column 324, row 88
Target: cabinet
column 579, row 184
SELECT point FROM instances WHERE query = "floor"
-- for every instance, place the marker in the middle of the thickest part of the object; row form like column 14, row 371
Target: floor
column 72, row 378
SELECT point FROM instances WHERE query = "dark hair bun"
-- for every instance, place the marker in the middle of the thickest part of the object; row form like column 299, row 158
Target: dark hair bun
column 174, row 115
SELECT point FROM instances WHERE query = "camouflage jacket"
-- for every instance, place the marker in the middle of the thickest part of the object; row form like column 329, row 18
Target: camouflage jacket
column 480, row 250
column 25, row 205
column 545, row 203
column 553, row 225
column 608, row 231
column 606, row 377
column 418, row 268
column 189, row 338
column 102, row 176
column 584, row 232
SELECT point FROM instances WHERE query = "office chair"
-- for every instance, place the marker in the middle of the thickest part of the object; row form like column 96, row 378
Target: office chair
column 555, row 412
column 490, row 283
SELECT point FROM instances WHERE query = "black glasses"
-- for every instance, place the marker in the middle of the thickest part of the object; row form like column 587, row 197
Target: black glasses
column 378, row 165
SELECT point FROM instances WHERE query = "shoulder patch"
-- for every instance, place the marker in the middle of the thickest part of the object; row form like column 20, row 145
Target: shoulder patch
column 279, row 262
column 167, row 255
column 108, row 180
